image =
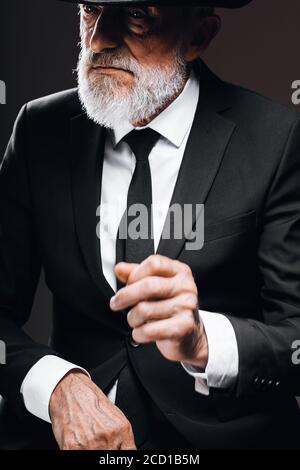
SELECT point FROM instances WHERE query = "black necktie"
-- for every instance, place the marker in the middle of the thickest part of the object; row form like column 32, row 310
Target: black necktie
column 136, row 248
column 130, row 395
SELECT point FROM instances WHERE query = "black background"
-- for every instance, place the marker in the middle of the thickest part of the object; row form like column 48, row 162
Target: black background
column 258, row 47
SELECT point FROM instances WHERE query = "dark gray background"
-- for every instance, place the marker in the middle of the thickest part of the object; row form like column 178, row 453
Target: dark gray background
column 258, row 47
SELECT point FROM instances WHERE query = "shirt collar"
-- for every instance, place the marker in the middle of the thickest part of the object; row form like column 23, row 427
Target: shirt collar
column 174, row 122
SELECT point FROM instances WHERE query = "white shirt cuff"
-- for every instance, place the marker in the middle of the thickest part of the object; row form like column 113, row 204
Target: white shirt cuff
column 223, row 358
column 41, row 380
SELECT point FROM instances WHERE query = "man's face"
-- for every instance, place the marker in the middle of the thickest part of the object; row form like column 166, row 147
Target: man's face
column 132, row 62
column 146, row 34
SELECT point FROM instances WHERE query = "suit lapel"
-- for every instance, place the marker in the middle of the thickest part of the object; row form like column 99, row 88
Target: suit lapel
column 88, row 141
column 204, row 152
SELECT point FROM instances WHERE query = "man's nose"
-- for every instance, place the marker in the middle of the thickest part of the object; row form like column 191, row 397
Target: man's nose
column 106, row 33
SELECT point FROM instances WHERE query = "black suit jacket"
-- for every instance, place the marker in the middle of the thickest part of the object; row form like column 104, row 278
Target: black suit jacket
column 243, row 162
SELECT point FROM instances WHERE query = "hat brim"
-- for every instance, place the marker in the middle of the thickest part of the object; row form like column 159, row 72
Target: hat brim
column 204, row 3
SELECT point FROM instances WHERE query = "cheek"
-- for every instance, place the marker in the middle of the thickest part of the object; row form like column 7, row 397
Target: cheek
column 149, row 52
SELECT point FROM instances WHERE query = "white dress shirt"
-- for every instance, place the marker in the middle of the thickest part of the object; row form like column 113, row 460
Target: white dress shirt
column 174, row 125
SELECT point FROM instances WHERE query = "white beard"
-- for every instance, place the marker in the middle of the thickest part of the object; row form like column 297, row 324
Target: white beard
column 108, row 103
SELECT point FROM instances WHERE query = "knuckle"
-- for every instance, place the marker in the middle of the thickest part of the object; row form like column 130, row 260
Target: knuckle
column 91, row 444
column 192, row 301
column 185, row 280
column 186, row 269
column 155, row 261
column 177, row 264
column 113, row 431
column 126, row 428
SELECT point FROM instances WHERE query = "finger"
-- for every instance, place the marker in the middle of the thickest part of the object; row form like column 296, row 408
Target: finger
column 145, row 312
column 154, row 265
column 149, row 311
column 149, row 288
column 123, row 271
column 173, row 328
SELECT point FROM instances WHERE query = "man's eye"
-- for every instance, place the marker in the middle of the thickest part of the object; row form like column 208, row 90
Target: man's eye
column 136, row 13
column 90, row 10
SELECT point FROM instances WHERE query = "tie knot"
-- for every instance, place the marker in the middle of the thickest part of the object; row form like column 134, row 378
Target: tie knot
column 142, row 142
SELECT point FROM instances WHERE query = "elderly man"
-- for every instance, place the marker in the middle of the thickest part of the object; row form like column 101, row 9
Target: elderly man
column 156, row 343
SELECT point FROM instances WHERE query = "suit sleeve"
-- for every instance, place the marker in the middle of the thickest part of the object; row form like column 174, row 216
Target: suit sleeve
column 266, row 348
column 20, row 266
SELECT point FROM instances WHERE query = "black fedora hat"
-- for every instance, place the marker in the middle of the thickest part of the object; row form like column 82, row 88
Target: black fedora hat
column 204, row 3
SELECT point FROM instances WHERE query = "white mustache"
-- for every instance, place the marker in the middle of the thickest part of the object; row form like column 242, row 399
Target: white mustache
column 112, row 59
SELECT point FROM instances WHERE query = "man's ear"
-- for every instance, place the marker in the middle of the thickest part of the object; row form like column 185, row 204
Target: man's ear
column 203, row 32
